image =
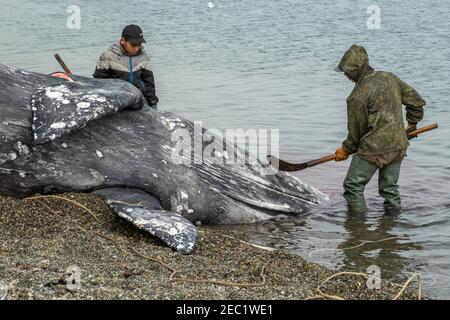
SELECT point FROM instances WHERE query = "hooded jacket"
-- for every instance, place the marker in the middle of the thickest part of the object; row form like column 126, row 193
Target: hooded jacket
column 115, row 63
column 374, row 108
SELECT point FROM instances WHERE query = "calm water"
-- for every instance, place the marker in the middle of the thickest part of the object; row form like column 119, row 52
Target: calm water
column 269, row 64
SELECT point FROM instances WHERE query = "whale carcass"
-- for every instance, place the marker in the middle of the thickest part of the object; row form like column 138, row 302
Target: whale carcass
column 100, row 136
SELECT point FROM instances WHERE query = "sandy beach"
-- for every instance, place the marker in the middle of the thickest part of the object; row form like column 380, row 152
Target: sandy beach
column 41, row 238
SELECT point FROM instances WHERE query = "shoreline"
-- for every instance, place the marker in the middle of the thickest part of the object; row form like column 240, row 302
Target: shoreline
column 41, row 238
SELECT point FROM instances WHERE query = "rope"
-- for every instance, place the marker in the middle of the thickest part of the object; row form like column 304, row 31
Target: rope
column 65, row 199
column 323, row 295
column 359, row 245
column 157, row 260
column 173, row 271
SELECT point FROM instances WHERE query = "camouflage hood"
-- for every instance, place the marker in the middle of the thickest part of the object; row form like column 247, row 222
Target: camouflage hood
column 355, row 63
column 374, row 108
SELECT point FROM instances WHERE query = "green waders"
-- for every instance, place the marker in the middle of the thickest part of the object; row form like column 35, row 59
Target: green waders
column 359, row 174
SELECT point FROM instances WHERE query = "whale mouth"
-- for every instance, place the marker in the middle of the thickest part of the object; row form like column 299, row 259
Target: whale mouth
column 271, row 206
column 276, row 199
column 275, row 194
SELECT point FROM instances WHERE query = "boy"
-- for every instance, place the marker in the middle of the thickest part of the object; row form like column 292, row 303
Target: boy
column 128, row 61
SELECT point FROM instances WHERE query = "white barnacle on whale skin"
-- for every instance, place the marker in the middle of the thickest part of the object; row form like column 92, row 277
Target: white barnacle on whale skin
column 12, row 156
column 180, row 202
column 83, row 105
column 94, row 97
column 58, row 125
column 7, row 157
column 12, row 69
column 99, row 154
column 170, row 124
column 54, row 93
column 183, row 195
column 96, row 175
column 21, row 148
column 173, row 231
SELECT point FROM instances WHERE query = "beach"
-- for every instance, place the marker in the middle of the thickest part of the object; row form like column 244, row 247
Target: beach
column 42, row 237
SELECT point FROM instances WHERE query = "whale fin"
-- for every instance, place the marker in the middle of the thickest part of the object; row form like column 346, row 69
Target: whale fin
column 67, row 106
column 145, row 212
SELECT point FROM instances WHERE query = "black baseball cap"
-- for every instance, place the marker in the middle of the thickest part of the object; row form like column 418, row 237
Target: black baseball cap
column 133, row 33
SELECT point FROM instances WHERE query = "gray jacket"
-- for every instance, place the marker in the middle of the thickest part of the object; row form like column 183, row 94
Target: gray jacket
column 114, row 63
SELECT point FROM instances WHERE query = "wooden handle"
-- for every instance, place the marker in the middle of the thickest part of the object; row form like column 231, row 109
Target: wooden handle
column 287, row 166
column 62, row 64
column 332, row 157
column 316, row 162
column 424, row 129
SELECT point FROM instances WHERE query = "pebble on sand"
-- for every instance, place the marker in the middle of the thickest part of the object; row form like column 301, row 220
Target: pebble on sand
column 43, row 239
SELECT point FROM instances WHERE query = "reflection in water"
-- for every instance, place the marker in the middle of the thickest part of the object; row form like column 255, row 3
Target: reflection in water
column 379, row 246
column 347, row 242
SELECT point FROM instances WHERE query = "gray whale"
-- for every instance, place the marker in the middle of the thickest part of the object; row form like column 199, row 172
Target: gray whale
column 100, row 136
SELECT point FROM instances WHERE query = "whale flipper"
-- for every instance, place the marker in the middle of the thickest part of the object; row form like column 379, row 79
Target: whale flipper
column 67, row 106
column 145, row 212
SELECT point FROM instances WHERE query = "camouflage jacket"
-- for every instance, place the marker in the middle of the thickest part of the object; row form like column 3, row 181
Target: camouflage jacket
column 374, row 108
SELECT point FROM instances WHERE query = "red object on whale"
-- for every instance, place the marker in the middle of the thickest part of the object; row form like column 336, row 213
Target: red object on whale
column 61, row 75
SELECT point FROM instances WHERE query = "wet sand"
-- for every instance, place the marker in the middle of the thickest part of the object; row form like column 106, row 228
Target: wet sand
column 41, row 238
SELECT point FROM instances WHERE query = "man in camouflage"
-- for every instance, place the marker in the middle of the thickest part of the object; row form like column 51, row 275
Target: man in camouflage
column 376, row 131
